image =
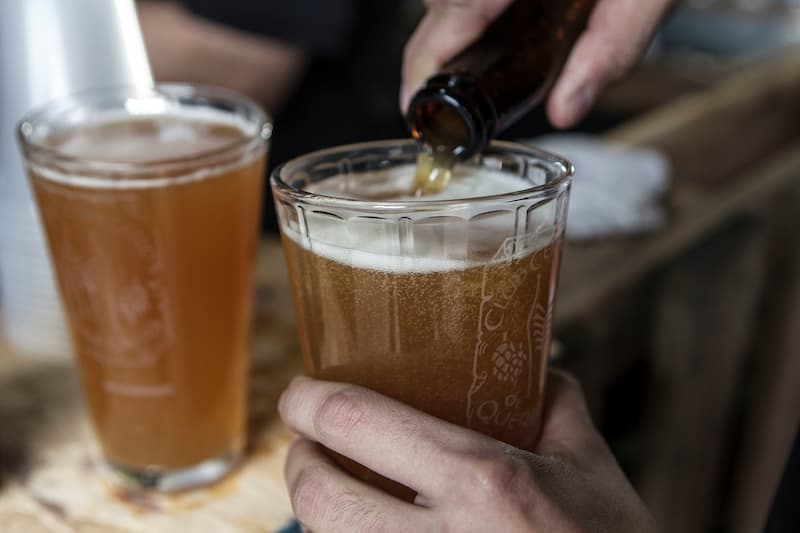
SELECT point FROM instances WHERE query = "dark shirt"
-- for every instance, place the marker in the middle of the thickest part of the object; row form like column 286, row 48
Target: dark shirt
column 350, row 90
column 785, row 515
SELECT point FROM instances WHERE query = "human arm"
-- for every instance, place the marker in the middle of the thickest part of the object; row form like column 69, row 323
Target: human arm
column 185, row 47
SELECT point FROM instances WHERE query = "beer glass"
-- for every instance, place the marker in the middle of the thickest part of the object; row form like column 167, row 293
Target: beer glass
column 444, row 302
column 150, row 200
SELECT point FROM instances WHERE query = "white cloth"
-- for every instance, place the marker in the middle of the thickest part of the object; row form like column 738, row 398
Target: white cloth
column 617, row 190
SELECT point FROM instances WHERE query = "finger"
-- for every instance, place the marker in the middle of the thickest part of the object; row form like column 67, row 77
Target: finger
column 566, row 421
column 390, row 438
column 447, row 28
column 326, row 499
column 615, row 38
column 567, row 431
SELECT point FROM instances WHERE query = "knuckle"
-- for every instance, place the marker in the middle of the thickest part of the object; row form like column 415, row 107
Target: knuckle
column 369, row 519
column 286, row 403
column 569, row 381
column 352, row 513
column 617, row 60
column 341, row 413
column 309, row 496
column 317, row 500
column 573, row 389
column 486, row 9
column 449, row 3
column 625, row 59
column 496, row 477
column 604, row 59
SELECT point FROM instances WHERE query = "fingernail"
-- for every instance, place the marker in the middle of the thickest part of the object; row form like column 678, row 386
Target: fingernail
column 577, row 105
column 282, row 402
column 405, row 98
column 284, row 397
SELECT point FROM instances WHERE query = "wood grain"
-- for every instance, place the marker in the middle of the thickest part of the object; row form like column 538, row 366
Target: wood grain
column 773, row 412
column 704, row 333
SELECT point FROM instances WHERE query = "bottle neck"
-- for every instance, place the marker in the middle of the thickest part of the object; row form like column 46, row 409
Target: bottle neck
column 452, row 117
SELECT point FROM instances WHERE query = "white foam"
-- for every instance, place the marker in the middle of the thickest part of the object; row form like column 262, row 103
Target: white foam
column 176, row 137
column 374, row 260
column 397, row 182
column 373, row 245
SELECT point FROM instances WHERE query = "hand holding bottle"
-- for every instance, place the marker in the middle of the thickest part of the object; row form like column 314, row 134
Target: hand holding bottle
column 615, row 37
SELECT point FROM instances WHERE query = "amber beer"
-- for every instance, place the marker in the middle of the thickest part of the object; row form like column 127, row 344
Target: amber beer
column 444, row 303
column 152, row 223
column 467, row 344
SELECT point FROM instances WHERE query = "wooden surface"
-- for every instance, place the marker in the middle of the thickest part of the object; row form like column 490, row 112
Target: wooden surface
column 731, row 149
column 775, row 385
column 51, row 473
column 713, row 139
column 705, row 312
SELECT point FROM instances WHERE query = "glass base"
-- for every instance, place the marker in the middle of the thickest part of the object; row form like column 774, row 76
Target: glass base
column 198, row 475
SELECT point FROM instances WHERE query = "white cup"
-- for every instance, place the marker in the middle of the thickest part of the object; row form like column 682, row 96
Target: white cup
column 48, row 50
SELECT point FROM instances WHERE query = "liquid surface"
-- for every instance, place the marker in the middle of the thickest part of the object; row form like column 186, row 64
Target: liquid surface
column 148, row 140
column 157, row 283
column 398, row 184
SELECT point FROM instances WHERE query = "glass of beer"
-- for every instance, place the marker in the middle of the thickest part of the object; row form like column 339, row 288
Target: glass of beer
column 445, row 301
column 151, row 202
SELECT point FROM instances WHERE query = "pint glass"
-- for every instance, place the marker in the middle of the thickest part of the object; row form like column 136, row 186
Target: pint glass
column 151, row 204
column 443, row 302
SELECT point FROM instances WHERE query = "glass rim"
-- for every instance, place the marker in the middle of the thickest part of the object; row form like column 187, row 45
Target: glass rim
column 548, row 190
column 37, row 151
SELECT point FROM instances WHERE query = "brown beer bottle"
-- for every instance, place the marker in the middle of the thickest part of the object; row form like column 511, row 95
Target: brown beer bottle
column 498, row 79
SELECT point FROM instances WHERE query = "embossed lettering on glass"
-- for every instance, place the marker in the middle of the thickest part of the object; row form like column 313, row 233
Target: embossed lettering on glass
column 444, row 303
column 151, row 203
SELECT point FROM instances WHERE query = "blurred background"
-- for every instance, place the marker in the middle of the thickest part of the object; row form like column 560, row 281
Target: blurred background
column 685, row 333
column 684, row 336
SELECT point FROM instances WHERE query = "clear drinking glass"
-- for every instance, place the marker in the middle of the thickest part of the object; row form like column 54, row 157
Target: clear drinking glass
column 443, row 302
column 151, row 203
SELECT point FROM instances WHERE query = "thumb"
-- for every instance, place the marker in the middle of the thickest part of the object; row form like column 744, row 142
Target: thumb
column 447, row 28
column 566, row 424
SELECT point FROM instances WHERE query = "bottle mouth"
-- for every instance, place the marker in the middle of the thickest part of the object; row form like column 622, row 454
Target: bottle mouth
column 451, row 117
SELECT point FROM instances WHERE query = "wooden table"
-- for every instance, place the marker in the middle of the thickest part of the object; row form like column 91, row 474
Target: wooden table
column 51, row 473
column 733, row 149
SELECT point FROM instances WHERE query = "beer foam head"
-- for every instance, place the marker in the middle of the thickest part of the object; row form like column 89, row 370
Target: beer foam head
column 179, row 137
column 422, row 242
column 116, row 137
column 396, row 183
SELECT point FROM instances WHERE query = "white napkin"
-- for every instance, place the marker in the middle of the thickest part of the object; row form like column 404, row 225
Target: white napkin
column 616, row 190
